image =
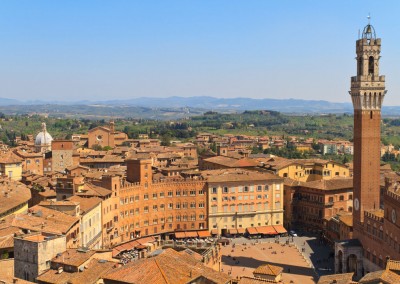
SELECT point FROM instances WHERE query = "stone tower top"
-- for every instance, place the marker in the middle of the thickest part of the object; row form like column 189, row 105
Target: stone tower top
column 369, row 31
column 368, row 87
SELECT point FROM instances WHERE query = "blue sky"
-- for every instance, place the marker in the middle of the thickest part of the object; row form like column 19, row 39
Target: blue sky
column 99, row 50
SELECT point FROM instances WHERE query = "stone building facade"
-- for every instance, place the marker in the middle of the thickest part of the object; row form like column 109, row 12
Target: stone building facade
column 62, row 154
column 33, row 254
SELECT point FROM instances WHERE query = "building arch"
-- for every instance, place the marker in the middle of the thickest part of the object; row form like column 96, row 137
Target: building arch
column 352, row 264
column 340, row 259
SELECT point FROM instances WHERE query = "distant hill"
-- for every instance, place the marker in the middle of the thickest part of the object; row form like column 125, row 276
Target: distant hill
column 240, row 104
column 295, row 106
column 7, row 102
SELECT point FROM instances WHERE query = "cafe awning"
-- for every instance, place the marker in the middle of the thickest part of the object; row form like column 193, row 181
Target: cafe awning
column 280, row 229
column 204, row 234
column 233, row 231
column 252, row 230
column 180, row 235
column 266, row 230
column 241, row 230
column 192, row 234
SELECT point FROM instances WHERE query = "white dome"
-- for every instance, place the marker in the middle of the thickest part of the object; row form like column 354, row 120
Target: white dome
column 43, row 138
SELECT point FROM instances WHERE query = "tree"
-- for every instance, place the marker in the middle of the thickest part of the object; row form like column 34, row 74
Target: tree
column 97, row 147
column 165, row 140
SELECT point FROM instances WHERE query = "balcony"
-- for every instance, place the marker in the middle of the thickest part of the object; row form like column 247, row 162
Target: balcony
column 368, row 78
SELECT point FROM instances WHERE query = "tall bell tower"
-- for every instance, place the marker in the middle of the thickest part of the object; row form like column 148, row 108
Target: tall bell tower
column 367, row 93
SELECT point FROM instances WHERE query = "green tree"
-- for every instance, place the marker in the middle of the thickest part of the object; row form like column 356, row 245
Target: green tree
column 165, row 140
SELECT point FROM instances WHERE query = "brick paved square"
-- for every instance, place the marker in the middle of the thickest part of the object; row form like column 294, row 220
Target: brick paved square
column 244, row 258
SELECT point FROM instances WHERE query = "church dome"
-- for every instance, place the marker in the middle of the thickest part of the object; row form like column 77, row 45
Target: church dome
column 43, row 137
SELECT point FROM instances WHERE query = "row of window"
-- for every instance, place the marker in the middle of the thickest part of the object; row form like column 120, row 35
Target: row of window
column 245, row 207
column 259, row 188
column 156, row 195
column 162, row 220
column 244, row 197
column 161, row 207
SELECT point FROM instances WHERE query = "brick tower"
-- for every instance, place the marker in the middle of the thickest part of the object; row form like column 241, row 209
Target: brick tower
column 367, row 93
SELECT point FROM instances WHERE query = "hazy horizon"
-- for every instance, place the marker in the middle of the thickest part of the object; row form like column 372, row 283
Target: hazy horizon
column 105, row 50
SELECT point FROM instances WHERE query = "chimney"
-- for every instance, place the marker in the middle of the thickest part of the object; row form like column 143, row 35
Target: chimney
column 387, row 261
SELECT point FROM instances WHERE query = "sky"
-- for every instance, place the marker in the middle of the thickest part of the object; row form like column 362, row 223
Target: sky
column 100, row 50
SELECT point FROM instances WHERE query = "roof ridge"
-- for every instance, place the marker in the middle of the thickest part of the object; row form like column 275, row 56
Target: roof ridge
column 161, row 271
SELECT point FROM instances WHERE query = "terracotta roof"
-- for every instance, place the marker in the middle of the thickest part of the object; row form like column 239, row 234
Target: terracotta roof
column 385, row 276
column 90, row 189
column 45, row 220
column 331, row 184
column 25, row 154
column 268, row 269
column 12, row 194
column 226, row 175
column 169, row 266
column 347, row 219
column 252, row 280
column 92, row 272
column 104, row 159
column 344, row 278
column 9, row 158
column 59, row 203
column 231, row 162
column 7, row 237
column 85, row 204
column 73, row 257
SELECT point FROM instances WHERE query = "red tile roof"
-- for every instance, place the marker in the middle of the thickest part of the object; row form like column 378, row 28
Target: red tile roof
column 169, row 266
column 268, row 269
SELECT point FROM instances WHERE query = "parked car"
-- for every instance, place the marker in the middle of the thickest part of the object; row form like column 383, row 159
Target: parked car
column 293, row 233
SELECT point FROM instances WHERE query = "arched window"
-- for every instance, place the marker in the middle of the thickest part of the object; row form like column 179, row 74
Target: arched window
column 371, row 65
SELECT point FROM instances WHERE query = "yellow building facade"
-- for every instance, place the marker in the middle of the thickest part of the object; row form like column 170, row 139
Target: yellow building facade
column 11, row 165
column 310, row 171
column 239, row 199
